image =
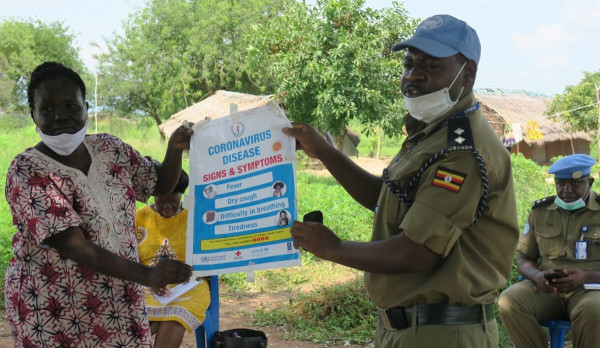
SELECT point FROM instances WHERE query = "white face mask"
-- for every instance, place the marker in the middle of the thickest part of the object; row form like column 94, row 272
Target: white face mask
column 432, row 106
column 64, row 144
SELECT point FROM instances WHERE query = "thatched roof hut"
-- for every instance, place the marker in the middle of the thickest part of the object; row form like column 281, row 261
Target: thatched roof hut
column 213, row 107
column 502, row 108
column 218, row 105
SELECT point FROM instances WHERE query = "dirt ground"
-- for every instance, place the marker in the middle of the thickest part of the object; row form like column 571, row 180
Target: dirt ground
column 235, row 312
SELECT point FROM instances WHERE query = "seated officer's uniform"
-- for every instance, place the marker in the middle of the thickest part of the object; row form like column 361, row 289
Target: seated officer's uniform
column 550, row 236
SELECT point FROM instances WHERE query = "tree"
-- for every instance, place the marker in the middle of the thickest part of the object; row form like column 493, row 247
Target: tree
column 174, row 52
column 6, row 88
column 332, row 62
column 578, row 105
column 26, row 44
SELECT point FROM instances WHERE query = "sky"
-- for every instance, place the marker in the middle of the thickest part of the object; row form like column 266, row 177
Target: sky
column 535, row 45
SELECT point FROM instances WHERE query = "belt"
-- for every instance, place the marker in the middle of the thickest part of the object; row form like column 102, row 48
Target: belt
column 399, row 318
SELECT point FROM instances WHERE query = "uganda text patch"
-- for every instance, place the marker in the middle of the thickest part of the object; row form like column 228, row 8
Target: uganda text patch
column 449, row 179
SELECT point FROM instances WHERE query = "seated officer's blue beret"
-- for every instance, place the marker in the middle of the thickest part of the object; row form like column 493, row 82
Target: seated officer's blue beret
column 572, row 167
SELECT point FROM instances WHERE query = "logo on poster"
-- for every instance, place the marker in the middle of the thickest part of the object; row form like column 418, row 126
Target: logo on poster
column 237, row 129
column 238, row 255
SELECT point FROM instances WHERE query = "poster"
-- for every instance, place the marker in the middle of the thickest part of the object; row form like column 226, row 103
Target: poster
column 242, row 194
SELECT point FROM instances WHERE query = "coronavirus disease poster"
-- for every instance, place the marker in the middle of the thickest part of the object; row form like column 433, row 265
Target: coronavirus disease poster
column 242, row 195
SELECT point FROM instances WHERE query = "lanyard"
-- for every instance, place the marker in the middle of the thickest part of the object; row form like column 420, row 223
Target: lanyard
column 445, row 123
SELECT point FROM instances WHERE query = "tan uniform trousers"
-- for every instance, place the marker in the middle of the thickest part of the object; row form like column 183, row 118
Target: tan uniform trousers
column 436, row 336
column 522, row 306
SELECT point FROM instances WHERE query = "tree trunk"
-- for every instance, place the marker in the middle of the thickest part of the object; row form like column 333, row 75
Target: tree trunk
column 158, row 123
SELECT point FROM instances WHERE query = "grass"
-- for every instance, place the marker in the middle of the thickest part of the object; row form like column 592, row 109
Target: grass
column 326, row 303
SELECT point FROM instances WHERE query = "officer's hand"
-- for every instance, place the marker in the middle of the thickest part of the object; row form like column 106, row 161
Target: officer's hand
column 169, row 271
column 314, row 238
column 543, row 284
column 575, row 280
column 307, row 139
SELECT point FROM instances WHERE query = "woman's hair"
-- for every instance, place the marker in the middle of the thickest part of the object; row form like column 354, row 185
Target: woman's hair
column 182, row 183
column 48, row 71
column 278, row 184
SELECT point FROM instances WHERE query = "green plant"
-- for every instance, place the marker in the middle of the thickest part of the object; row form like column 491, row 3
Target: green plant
column 330, row 315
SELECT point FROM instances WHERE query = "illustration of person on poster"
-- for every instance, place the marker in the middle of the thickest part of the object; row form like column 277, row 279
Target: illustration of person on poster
column 243, row 193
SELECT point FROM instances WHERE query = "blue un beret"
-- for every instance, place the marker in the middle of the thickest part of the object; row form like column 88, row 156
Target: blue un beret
column 572, row 167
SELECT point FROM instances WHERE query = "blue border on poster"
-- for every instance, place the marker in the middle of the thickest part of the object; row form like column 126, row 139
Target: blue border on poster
column 283, row 172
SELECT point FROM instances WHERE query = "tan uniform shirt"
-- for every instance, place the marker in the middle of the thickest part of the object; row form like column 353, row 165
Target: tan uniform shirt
column 551, row 233
column 476, row 259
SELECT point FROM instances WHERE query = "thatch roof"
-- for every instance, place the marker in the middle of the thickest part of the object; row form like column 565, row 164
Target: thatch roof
column 213, row 107
column 501, row 107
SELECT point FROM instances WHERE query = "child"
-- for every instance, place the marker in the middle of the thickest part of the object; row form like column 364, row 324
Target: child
column 161, row 233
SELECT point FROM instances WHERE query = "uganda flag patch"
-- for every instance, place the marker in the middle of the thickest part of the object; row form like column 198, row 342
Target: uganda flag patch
column 449, row 179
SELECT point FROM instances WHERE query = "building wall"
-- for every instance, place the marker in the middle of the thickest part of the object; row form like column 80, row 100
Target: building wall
column 543, row 154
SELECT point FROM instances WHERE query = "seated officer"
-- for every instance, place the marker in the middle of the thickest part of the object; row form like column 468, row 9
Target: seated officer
column 562, row 236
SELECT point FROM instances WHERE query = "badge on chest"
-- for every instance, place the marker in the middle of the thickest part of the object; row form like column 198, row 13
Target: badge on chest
column 581, row 245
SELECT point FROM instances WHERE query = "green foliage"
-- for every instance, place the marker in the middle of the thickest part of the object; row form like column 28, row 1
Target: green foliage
column 174, row 52
column 531, row 183
column 367, row 147
column 329, row 315
column 569, row 104
column 330, row 63
column 25, row 45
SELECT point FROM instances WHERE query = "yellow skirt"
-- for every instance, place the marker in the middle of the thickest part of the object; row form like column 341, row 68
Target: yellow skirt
column 189, row 310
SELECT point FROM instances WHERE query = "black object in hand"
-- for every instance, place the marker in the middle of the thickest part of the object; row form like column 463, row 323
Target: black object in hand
column 558, row 273
column 313, row 216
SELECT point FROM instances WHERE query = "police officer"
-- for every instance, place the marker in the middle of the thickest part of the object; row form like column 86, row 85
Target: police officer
column 445, row 227
column 558, row 252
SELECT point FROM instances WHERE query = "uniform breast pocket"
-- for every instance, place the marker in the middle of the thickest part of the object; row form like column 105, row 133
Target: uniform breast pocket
column 593, row 242
column 550, row 243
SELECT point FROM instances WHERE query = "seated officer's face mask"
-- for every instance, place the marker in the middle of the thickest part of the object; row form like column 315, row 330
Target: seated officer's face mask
column 570, row 206
column 430, row 107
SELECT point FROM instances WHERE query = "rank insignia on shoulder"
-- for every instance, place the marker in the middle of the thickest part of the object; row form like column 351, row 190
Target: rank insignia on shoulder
column 543, row 201
column 448, row 179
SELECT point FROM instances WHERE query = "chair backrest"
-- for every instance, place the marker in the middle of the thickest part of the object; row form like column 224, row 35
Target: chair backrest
column 206, row 332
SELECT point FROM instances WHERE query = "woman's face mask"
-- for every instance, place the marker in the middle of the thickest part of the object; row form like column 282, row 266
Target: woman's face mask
column 64, row 144
column 432, row 106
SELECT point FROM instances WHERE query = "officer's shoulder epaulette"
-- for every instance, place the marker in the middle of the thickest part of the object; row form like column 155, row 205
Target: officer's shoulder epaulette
column 543, row 201
column 459, row 133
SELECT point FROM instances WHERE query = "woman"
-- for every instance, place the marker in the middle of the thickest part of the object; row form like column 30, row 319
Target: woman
column 74, row 280
column 277, row 187
column 161, row 233
column 283, row 218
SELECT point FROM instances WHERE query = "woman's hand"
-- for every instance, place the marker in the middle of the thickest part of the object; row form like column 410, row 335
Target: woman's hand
column 166, row 291
column 167, row 272
column 180, row 139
